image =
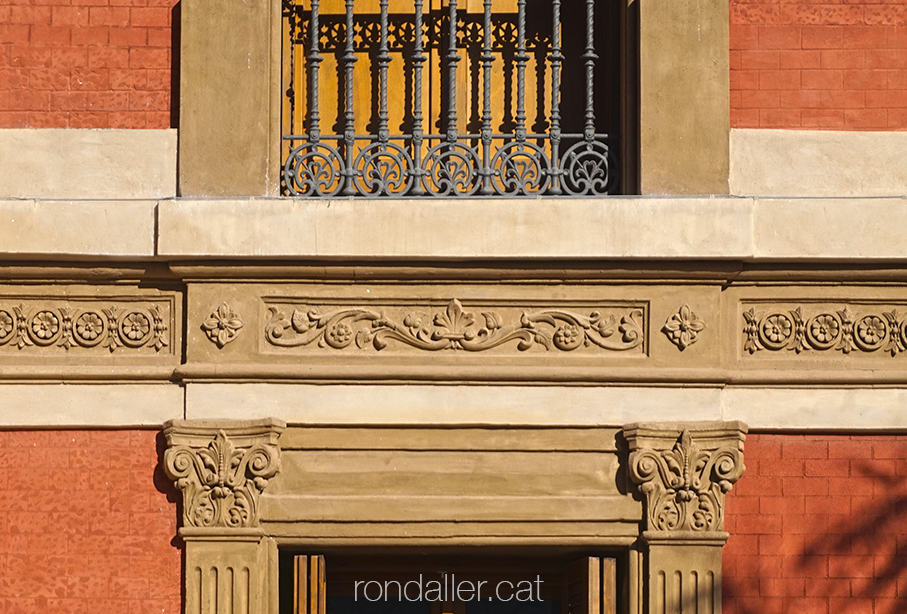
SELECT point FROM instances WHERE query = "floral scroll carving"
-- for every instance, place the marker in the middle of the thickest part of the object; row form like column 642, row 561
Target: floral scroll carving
column 683, row 328
column 74, row 325
column 455, row 328
column 223, row 325
column 825, row 330
column 684, row 487
column 222, row 482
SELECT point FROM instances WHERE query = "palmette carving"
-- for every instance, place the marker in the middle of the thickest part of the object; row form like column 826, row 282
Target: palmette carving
column 454, row 328
column 828, row 329
column 684, row 487
column 221, row 484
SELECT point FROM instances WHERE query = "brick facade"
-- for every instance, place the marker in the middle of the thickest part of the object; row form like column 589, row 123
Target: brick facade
column 827, row 65
column 85, row 63
column 86, row 525
column 819, row 526
column 107, row 64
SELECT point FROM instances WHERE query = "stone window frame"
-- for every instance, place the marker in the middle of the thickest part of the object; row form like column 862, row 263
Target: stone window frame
column 231, row 99
column 681, row 473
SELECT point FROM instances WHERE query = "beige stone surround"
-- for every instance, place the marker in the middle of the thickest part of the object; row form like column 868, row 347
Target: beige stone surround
column 650, row 494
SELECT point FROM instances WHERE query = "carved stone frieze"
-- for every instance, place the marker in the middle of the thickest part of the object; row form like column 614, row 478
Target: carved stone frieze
column 32, row 324
column 223, row 325
column 221, row 472
column 861, row 329
column 683, row 328
column 455, row 327
column 684, row 486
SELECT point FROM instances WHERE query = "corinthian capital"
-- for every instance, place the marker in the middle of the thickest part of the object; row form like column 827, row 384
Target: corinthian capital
column 683, row 472
column 221, row 468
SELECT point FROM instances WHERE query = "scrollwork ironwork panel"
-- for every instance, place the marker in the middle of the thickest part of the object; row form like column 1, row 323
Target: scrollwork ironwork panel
column 449, row 101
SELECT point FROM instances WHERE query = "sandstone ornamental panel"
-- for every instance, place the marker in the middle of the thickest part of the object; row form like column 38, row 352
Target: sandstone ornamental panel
column 825, row 330
column 88, row 326
column 303, row 325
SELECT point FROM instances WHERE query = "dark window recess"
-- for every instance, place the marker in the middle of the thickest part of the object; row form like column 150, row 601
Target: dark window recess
column 451, row 98
column 413, row 584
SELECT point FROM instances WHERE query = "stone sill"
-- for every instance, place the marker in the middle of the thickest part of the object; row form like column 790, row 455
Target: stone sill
column 618, row 228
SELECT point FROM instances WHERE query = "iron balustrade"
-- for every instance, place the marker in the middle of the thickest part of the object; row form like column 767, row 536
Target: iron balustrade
column 441, row 151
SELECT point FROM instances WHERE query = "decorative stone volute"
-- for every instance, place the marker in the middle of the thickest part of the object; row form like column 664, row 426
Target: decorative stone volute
column 684, row 471
column 221, row 468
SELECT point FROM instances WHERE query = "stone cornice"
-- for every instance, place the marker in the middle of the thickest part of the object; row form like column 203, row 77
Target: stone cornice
column 221, row 469
column 683, row 472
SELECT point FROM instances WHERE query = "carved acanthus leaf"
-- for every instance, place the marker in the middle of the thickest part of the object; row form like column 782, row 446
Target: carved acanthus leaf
column 684, row 487
column 221, row 483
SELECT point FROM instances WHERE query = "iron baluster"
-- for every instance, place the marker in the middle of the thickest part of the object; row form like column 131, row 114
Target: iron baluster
column 487, row 59
column 521, row 60
column 557, row 59
column 349, row 131
column 590, row 57
column 419, row 59
column 384, row 60
column 291, row 92
column 452, row 58
column 314, row 60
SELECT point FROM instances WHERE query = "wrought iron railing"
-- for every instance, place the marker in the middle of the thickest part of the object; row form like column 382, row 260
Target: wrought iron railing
column 459, row 128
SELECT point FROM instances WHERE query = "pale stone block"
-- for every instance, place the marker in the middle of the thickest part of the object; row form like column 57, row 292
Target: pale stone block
column 818, row 163
column 89, row 404
column 422, row 404
column 816, row 408
column 763, row 407
column 843, row 229
column 67, row 163
column 469, row 228
column 70, row 228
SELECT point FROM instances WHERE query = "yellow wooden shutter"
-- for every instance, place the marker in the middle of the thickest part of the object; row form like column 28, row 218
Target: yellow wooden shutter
column 591, row 586
column 309, row 587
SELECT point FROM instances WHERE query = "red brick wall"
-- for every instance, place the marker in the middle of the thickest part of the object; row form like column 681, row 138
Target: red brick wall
column 83, row 528
column 85, row 63
column 829, row 64
column 819, row 526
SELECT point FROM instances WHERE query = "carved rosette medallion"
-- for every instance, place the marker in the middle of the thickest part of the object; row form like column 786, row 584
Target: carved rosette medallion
column 337, row 328
column 85, row 324
column 221, row 482
column 684, row 487
column 683, row 328
column 825, row 329
column 223, row 325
